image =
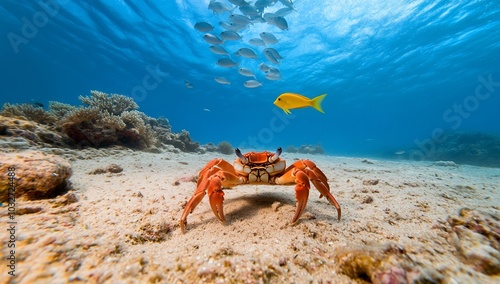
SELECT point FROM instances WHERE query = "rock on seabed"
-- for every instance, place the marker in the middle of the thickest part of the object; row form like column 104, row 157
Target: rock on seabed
column 37, row 175
column 476, row 236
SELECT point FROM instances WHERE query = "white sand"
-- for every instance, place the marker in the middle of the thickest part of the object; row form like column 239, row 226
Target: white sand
column 124, row 227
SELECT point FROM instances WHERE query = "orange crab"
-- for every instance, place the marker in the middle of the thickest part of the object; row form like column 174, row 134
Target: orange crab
column 259, row 168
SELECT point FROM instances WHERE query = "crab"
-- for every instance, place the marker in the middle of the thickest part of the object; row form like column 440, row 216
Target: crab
column 257, row 168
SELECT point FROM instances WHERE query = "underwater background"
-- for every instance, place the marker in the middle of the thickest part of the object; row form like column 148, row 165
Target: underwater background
column 398, row 74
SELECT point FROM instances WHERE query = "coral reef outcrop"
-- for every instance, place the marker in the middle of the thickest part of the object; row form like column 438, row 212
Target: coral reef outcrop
column 36, row 175
column 180, row 140
column 104, row 120
column 108, row 120
column 473, row 148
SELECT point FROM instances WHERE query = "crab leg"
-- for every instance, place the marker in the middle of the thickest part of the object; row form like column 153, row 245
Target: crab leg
column 298, row 177
column 319, row 180
column 315, row 175
column 301, row 193
column 218, row 164
column 211, row 180
column 216, row 196
column 192, row 203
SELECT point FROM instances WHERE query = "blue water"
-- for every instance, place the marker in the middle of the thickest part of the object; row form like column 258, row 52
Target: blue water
column 394, row 72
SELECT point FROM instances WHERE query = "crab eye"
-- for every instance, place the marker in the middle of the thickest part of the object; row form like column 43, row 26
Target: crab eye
column 276, row 155
column 242, row 158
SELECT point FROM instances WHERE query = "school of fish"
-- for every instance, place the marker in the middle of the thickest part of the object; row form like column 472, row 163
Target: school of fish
column 243, row 15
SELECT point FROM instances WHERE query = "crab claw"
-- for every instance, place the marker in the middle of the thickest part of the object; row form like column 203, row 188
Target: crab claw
column 216, row 200
column 301, row 193
column 216, row 195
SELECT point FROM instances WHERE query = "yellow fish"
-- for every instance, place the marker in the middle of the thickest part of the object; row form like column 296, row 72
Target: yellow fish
column 287, row 101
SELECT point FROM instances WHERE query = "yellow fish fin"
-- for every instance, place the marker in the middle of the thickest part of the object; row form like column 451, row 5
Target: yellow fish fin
column 287, row 111
column 316, row 103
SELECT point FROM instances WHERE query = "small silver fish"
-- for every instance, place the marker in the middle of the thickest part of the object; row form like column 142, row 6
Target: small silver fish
column 279, row 22
column 264, row 67
column 246, row 52
column 256, row 42
column 217, row 49
column 239, row 19
column 218, row 7
column 226, row 63
column 188, row 84
column 203, row 27
column 222, row 80
column 230, row 35
column 212, row 39
column 232, row 26
column 246, row 72
column 273, row 70
column 273, row 52
column 273, row 74
column 272, row 55
column 268, row 38
column 273, row 77
column 252, row 84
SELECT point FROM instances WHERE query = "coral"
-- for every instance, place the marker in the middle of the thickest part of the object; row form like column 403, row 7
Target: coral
column 98, row 128
column 114, row 104
column 161, row 122
column 135, row 123
column 30, row 112
column 225, row 148
column 109, row 120
column 181, row 140
column 60, row 109
column 90, row 126
column 37, row 175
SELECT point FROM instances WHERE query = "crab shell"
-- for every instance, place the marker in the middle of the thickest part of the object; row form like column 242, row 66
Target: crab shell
column 262, row 167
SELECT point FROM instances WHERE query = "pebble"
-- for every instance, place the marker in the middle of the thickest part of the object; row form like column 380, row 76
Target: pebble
column 276, row 205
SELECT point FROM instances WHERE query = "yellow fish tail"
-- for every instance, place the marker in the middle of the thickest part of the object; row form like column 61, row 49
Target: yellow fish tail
column 316, row 103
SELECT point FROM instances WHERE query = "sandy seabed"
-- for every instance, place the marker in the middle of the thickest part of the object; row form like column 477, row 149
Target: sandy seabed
column 396, row 226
